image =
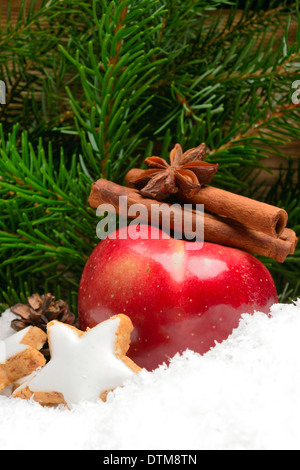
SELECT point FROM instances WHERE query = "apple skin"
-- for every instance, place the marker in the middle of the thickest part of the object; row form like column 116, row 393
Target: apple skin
column 177, row 298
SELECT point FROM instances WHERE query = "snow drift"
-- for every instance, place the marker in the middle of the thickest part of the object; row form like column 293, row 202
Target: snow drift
column 243, row 394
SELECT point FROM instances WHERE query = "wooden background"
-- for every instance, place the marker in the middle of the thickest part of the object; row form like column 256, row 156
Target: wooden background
column 291, row 149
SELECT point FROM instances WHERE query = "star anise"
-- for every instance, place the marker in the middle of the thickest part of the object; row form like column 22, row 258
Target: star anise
column 187, row 172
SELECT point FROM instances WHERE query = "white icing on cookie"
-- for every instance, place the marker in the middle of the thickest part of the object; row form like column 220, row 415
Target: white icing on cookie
column 81, row 367
column 12, row 346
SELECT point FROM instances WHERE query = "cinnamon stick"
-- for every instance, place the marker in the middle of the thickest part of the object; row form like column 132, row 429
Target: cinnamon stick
column 217, row 229
column 257, row 215
column 291, row 237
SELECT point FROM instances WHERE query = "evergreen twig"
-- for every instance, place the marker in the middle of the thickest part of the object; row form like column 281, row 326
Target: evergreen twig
column 95, row 86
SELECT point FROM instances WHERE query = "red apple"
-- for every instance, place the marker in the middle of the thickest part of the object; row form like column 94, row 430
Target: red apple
column 177, row 298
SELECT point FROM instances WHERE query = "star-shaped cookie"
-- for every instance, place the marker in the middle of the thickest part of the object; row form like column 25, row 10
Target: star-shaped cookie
column 84, row 365
column 20, row 356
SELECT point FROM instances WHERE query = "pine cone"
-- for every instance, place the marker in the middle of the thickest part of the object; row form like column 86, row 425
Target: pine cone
column 39, row 311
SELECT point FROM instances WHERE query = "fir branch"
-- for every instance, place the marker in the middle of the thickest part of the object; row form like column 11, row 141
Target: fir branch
column 108, row 83
column 114, row 88
column 43, row 214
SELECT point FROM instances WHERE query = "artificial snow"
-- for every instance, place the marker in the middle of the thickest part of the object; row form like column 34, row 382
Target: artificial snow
column 244, row 394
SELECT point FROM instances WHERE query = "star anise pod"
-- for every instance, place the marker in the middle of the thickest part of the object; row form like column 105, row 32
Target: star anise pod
column 39, row 311
column 186, row 173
